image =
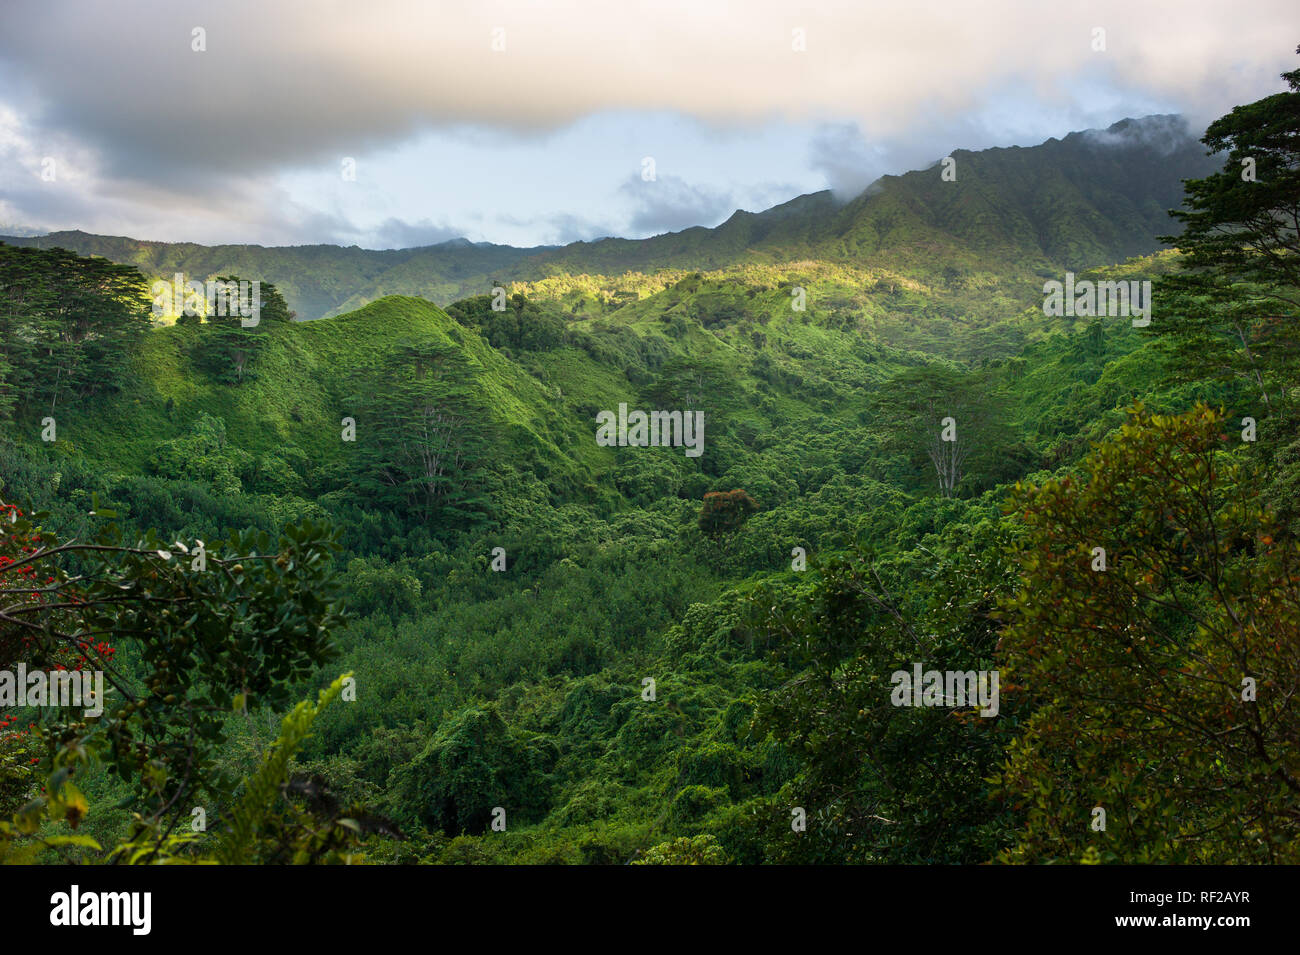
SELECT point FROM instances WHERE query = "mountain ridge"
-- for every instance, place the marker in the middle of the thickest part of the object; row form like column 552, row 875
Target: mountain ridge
column 1090, row 198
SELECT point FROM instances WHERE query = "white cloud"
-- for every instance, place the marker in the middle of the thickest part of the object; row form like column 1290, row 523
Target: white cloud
column 287, row 80
column 162, row 134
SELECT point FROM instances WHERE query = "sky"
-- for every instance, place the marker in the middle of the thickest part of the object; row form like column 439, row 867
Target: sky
column 398, row 123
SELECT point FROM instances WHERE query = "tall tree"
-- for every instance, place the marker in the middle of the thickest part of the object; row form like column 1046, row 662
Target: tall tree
column 1234, row 309
column 422, row 432
column 67, row 325
column 228, row 347
column 946, row 420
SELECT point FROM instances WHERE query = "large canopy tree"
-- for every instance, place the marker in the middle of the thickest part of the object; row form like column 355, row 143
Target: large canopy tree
column 1233, row 311
column 67, row 324
column 1155, row 635
column 422, row 433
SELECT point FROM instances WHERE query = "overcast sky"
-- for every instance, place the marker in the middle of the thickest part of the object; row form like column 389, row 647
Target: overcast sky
column 531, row 122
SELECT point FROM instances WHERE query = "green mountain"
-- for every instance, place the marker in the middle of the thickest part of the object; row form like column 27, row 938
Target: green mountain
column 315, row 279
column 1090, row 199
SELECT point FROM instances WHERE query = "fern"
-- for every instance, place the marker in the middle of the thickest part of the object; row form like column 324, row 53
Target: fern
column 263, row 787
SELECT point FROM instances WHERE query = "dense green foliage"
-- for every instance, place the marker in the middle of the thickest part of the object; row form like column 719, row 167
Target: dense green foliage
column 67, row 325
column 562, row 651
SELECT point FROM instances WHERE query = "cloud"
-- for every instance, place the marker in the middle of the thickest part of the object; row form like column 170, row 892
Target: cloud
column 840, row 153
column 559, row 228
column 153, row 136
column 298, row 81
column 399, row 234
column 670, row 204
column 1164, row 134
column 563, row 228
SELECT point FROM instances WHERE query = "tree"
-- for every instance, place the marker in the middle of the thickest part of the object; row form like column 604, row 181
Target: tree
column 1234, row 309
column 724, row 512
column 688, row 850
column 227, row 347
column 474, row 764
column 279, row 817
column 882, row 782
column 694, row 383
column 523, row 325
column 1243, row 220
column 1155, row 637
column 425, row 432
column 67, row 325
column 229, row 626
column 954, row 419
column 24, row 299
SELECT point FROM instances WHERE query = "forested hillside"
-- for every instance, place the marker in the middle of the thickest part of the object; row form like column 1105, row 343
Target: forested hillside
column 564, row 651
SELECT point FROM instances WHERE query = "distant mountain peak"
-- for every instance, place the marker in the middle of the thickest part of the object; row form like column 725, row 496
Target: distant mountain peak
column 1163, row 132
